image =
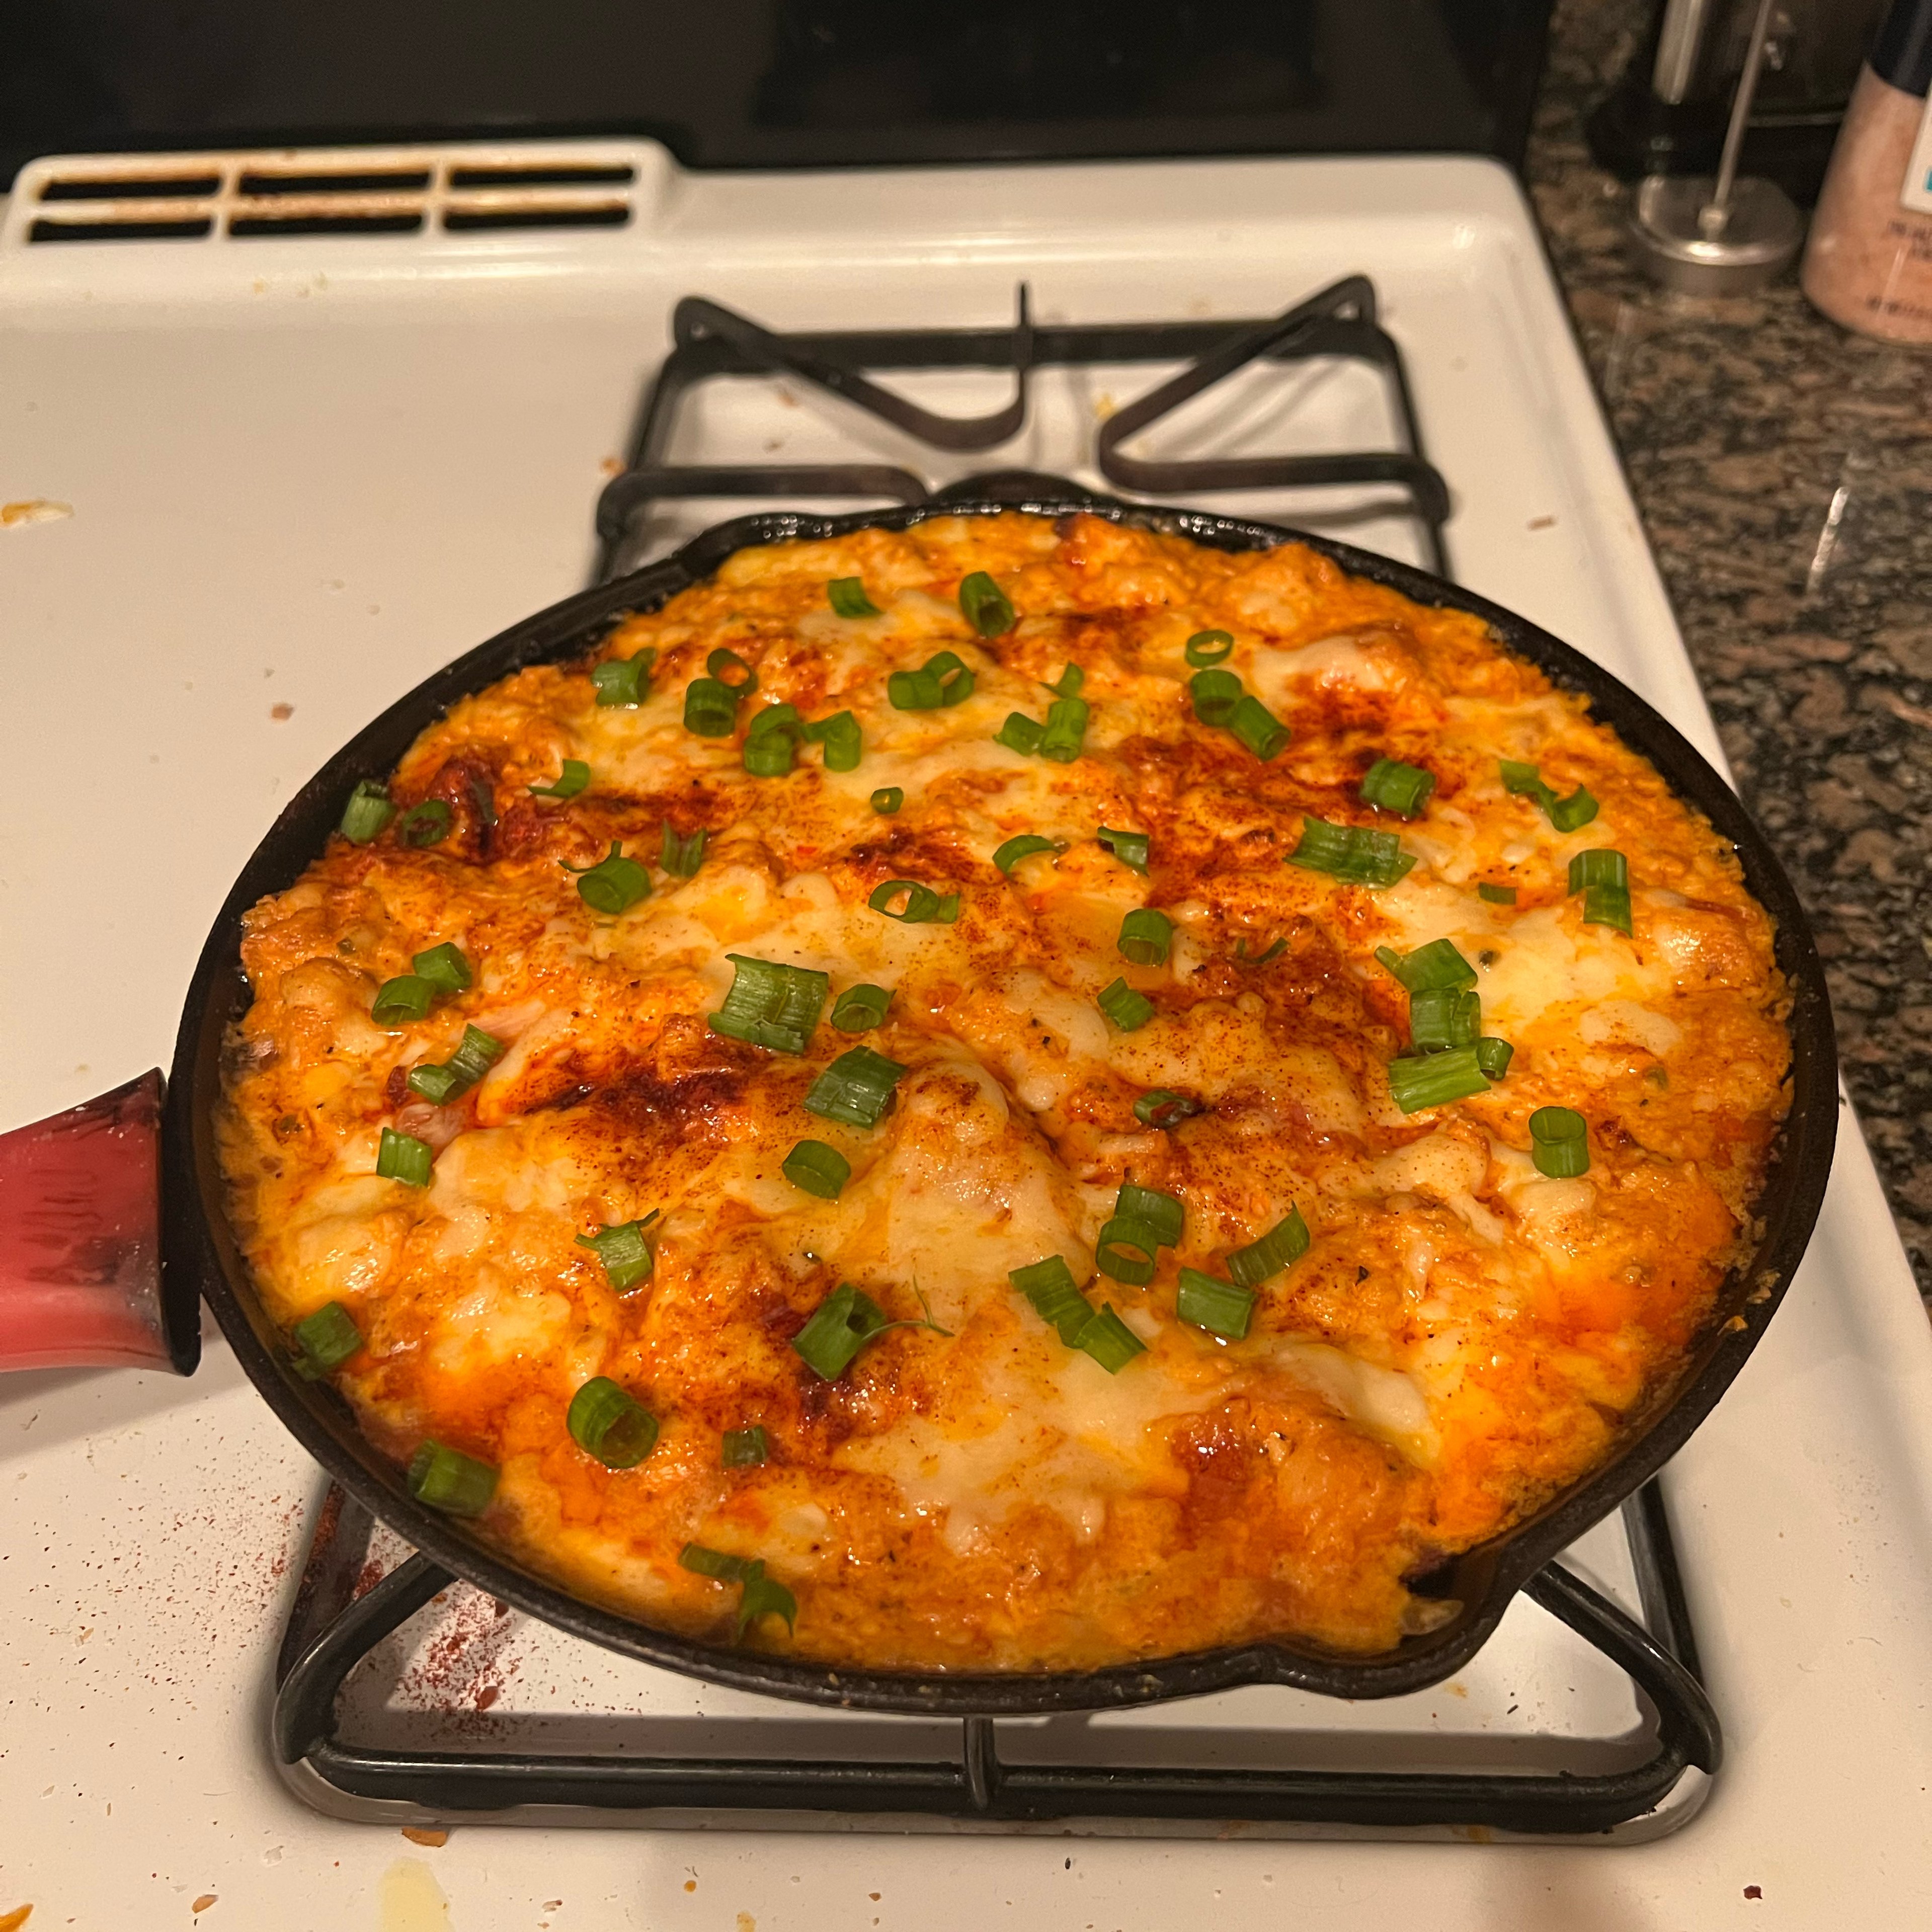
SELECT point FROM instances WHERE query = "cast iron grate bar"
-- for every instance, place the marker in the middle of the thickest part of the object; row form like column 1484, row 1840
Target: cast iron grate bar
column 711, row 342
column 332, row 1630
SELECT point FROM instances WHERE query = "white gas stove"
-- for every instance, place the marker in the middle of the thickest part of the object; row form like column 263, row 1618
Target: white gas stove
column 259, row 480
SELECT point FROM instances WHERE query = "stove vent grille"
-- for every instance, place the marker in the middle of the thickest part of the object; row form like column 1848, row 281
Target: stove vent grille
column 345, row 191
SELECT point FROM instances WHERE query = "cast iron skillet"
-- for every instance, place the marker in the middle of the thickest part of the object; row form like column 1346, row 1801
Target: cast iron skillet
column 201, row 1247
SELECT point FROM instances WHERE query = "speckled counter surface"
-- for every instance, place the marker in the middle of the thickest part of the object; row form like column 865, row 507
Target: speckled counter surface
column 1783, row 469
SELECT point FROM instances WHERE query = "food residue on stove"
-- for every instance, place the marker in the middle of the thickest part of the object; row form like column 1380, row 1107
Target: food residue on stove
column 423, row 1834
column 412, row 1900
column 202, row 1903
column 280, row 712
column 1753, row 1892
column 12, row 1921
column 33, row 510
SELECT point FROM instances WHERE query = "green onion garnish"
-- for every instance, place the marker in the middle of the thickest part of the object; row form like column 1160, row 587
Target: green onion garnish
column 772, row 741
column 1272, row 951
column 1128, row 1009
column 1146, row 936
column 325, row 1339
column 770, row 1005
column 1435, row 1079
column 1602, row 877
column 367, row 812
column 447, row 1479
column 986, row 606
column 1559, row 1141
column 721, row 661
column 1494, row 1055
column 425, row 824
column 1049, row 1286
column 445, row 968
column 1109, row 1340
column 1402, row 789
column 1217, row 1305
column 1166, row 1214
column 887, row 799
column 1130, row 847
column 745, row 1448
column 477, row 1054
column 1024, row 847
column 1435, row 967
column 1216, row 693
column 847, row 596
column 405, row 998
column 845, row 745
column 1259, row 729
column 1072, row 681
column 815, row 1169
column 1209, row 647
column 923, row 906
column 1164, row 1108
column 613, row 883
column 1283, row 1245
column 859, row 1009
column 856, row 1088
column 1497, row 895
column 681, row 854
column 1020, row 733
column 1065, row 730
column 626, row 1250
column 574, row 778
column 710, row 708
column 1445, row 1017
column 624, row 680
column 843, row 1323
column 1353, row 854
column 606, row 1422
column 1566, row 815
column 939, row 683
column 761, row 1596
column 1128, row 1250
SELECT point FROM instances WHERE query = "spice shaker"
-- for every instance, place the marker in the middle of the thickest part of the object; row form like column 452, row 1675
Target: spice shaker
column 1868, row 264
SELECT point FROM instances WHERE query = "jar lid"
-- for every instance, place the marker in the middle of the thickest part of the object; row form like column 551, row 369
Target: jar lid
column 1902, row 54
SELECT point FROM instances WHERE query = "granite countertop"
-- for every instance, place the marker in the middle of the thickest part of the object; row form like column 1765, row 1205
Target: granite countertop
column 1783, row 469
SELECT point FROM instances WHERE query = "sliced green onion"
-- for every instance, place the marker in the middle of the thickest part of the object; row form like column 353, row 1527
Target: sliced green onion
column 1209, row 647
column 844, row 744
column 1353, row 854
column 843, row 1323
column 1283, row 1245
column 445, row 968
column 1164, row 1108
column 681, row 854
column 1049, row 1286
column 887, row 799
column 1217, row 1305
column 1109, row 1340
column 626, row 1250
column 1128, row 1250
column 859, row 1009
column 1497, row 895
column 614, row 883
column 1573, row 813
column 624, row 680
column 1608, row 905
column 605, row 1421
column 1216, row 693
column 1445, row 1017
column 761, row 1595
column 1072, row 681
column 574, row 779
column 770, row 1005
column 448, row 1480
column 815, row 1169
column 923, row 906
column 847, row 596
column 1128, row 1009
column 1435, row 967
column 367, row 812
column 325, row 1339
column 1566, row 815
column 1259, row 729
column 477, row 1054
column 1166, row 1214
column 1494, row 1055
column 1146, row 936
column 1020, row 733
column 1602, row 877
column 856, row 1088
column 986, row 606
column 1065, row 730
column 710, row 708
column 427, row 823
column 772, row 741
column 1024, row 847
column 1274, row 951
column 939, row 683
column 717, row 1565
column 1435, row 1079
column 405, row 998
column 745, row 1448
column 1391, row 786
column 1130, row 847
column 721, row 661
column 1559, row 1139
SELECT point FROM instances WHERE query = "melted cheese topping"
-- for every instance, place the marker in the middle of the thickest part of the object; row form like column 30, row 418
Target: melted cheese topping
column 1463, row 1337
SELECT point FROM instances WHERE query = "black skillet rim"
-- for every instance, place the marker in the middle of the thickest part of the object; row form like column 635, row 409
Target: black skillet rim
column 199, row 1245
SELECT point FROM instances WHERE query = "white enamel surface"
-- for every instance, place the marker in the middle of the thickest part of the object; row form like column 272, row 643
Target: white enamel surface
column 309, row 472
